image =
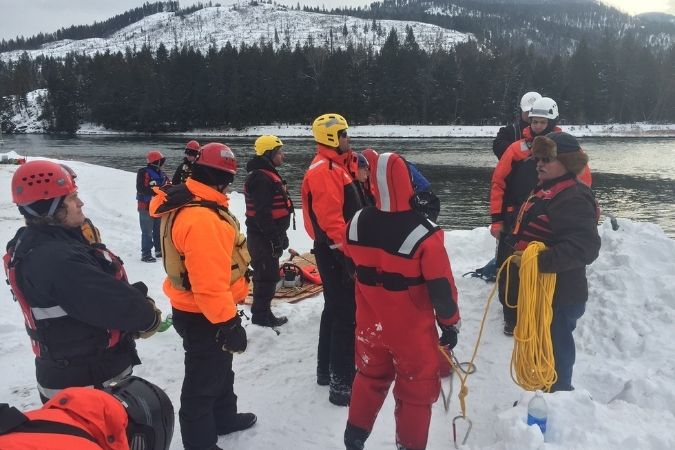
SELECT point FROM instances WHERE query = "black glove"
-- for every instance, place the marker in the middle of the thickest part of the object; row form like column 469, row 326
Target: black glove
column 155, row 324
column 448, row 335
column 277, row 248
column 284, row 242
column 139, row 285
column 231, row 336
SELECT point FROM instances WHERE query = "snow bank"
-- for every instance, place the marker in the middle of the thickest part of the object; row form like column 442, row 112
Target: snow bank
column 625, row 395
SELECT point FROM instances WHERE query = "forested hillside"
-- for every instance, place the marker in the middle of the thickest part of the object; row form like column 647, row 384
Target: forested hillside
column 610, row 74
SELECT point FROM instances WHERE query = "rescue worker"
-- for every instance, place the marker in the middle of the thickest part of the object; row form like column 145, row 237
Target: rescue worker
column 146, row 178
column 363, row 178
column 330, row 198
column 514, row 132
column 89, row 230
column 512, row 180
column 206, row 262
column 403, row 275
column 81, row 313
column 562, row 213
column 424, row 200
column 184, row 170
column 268, row 216
column 131, row 414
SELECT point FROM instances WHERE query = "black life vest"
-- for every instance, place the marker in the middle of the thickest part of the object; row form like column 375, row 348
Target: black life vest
column 34, row 317
column 282, row 205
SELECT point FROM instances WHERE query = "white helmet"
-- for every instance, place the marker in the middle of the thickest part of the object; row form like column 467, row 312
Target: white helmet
column 545, row 107
column 527, row 100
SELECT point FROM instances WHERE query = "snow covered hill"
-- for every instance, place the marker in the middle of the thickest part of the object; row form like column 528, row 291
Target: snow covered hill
column 625, row 397
column 249, row 23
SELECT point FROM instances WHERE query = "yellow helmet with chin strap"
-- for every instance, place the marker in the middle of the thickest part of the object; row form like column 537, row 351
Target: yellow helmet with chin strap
column 266, row 143
column 326, row 128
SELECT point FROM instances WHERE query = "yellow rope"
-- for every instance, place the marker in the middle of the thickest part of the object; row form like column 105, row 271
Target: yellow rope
column 464, row 390
column 532, row 362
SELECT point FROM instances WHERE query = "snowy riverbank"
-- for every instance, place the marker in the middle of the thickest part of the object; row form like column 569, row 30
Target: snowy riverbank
column 625, row 395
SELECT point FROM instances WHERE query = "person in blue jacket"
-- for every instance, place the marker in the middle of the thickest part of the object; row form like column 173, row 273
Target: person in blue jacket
column 148, row 177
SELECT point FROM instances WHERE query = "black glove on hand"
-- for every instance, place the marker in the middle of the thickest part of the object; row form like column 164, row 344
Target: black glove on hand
column 277, row 248
column 139, row 285
column 448, row 335
column 231, row 336
column 155, row 324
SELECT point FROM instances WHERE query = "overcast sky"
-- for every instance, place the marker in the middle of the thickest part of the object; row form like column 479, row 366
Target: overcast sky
column 29, row 17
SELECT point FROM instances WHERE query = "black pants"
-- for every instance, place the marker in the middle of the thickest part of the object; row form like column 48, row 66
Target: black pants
column 265, row 273
column 338, row 320
column 207, row 399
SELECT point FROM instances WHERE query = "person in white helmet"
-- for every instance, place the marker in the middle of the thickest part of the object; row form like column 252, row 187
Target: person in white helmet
column 513, row 132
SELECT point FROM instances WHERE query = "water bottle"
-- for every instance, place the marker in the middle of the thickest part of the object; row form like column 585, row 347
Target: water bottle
column 537, row 411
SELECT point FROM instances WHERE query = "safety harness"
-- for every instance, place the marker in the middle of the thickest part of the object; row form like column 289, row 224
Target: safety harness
column 282, row 205
column 35, row 317
column 178, row 198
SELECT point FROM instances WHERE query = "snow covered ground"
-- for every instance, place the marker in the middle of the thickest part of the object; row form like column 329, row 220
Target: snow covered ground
column 625, row 397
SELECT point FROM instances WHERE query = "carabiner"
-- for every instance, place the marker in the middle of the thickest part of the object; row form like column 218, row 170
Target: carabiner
column 454, row 429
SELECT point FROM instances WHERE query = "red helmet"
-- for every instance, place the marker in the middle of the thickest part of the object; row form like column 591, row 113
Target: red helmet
column 218, row 156
column 154, row 155
column 40, row 180
column 192, row 145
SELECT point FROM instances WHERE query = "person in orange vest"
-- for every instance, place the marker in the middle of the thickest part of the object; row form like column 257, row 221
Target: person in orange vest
column 206, row 261
column 268, row 216
column 404, row 289
column 513, row 179
column 330, row 198
column 131, row 414
column 184, row 170
column 81, row 313
column 147, row 178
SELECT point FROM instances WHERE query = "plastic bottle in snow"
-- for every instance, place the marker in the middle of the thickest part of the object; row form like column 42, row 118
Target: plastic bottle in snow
column 537, row 411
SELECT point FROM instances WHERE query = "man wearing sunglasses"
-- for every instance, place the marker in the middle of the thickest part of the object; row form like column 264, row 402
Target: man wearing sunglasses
column 562, row 213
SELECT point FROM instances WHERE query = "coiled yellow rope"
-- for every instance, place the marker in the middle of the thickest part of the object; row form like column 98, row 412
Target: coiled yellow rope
column 532, row 362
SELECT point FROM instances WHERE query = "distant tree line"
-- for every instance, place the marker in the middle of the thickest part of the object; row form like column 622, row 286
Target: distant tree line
column 98, row 29
column 180, row 89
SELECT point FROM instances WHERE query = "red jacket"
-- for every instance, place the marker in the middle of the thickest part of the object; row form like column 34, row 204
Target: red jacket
column 329, row 196
column 93, row 413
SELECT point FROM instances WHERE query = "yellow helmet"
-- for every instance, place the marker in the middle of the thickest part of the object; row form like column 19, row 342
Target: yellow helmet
column 265, row 143
column 326, row 127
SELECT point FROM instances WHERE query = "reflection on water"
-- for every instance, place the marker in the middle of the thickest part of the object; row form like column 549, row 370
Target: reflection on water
column 632, row 178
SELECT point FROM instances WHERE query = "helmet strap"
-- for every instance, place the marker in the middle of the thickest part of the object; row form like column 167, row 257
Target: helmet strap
column 53, row 206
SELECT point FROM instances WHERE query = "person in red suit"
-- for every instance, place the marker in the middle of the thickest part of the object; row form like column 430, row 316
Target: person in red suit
column 404, row 288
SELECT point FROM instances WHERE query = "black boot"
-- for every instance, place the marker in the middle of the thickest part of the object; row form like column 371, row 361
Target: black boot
column 239, row 422
column 355, row 437
column 509, row 326
column 267, row 319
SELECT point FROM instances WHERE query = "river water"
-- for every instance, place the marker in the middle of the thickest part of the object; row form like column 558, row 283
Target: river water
column 633, row 178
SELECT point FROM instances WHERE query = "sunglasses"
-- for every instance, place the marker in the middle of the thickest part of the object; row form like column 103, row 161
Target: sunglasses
column 342, row 134
column 545, row 160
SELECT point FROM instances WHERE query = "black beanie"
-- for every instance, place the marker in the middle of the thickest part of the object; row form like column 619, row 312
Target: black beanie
column 565, row 142
column 211, row 176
